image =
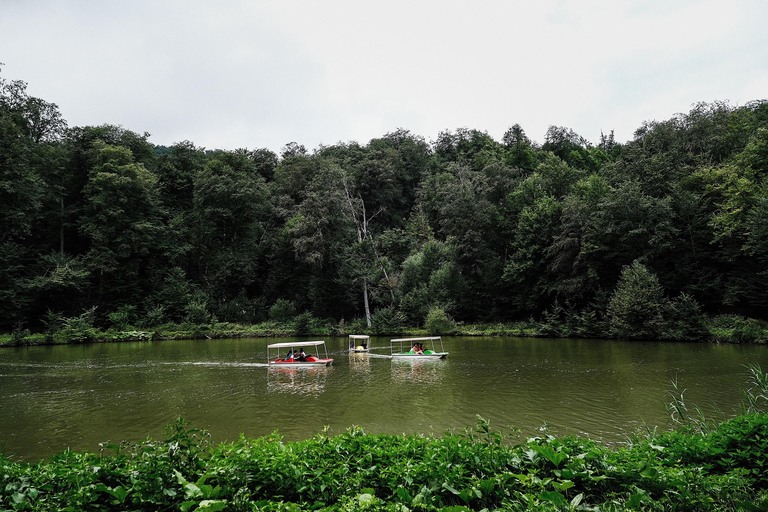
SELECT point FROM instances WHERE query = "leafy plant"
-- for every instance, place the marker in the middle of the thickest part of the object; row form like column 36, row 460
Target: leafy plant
column 722, row 468
column 154, row 317
column 19, row 335
column 53, row 322
column 635, row 308
column 683, row 319
column 197, row 312
column 123, row 318
column 302, row 324
column 438, row 321
column 387, row 320
column 80, row 329
column 282, row 310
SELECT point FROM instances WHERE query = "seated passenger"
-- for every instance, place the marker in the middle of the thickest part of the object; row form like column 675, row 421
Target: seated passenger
column 302, row 356
column 289, row 356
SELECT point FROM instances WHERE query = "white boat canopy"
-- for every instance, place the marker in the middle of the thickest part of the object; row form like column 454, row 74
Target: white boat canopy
column 293, row 345
column 429, row 353
column 289, row 344
column 359, row 342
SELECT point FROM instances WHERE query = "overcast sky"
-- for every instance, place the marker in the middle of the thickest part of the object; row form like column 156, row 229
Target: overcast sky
column 250, row 74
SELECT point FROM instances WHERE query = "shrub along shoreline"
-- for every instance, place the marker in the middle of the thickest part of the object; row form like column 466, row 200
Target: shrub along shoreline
column 701, row 465
column 721, row 329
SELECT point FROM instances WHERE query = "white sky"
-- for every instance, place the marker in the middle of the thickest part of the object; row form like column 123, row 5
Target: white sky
column 250, row 73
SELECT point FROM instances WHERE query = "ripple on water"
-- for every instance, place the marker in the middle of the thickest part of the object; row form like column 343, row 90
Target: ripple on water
column 55, row 397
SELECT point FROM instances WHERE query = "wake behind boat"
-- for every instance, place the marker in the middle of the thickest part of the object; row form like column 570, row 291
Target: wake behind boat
column 414, row 348
column 297, row 357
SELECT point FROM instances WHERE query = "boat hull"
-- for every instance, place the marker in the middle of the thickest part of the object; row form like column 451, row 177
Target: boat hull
column 436, row 355
column 277, row 363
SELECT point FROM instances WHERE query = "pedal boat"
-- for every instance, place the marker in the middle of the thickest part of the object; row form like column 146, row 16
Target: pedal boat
column 359, row 343
column 310, row 361
column 396, row 348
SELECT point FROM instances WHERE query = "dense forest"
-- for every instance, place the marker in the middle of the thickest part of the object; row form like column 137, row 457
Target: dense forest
column 644, row 237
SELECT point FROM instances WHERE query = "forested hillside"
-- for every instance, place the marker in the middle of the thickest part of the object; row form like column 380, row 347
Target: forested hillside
column 638, row 236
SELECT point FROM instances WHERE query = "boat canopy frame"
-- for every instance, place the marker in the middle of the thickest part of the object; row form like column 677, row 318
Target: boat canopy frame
column 296, row 344
column 353, row 338
column 411, row 341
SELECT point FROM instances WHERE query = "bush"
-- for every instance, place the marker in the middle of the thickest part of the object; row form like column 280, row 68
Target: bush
column 683, row 319
column 357, row 326
column 387, row 321
column 240, row 310
column 282, row 311
column 737, row 329
column 635, row 308
column 340, row 329
column 726, row 322
column 748, row 331
column 438, row 321
column 552, row 323
column 722, row 468
column 123, row 318
column 197, row 312
column 19, row 336
column 415, row 305
column 302, row 324
column 154, row 317
column 54, row 323
column 79, row 329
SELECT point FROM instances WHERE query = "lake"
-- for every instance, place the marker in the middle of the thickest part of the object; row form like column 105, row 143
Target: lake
column 77, row 396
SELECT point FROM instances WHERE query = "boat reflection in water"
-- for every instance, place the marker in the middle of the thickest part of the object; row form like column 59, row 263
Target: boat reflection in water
column 423, row 371
column 304, row 381
column 359, row 362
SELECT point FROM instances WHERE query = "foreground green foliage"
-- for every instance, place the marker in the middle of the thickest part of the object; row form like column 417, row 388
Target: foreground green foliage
column 700, row 466
column 724, row 469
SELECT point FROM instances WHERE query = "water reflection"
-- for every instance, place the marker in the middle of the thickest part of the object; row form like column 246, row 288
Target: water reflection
column 359, row 362
column 78, row 396
column 295, row 381
column 420, row 371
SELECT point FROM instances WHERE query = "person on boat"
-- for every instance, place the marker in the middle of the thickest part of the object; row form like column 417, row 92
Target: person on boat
column 417, row 348
column 302, row 356
column 289, row 356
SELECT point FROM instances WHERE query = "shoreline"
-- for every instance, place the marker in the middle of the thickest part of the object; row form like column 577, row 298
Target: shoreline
column 733, row 335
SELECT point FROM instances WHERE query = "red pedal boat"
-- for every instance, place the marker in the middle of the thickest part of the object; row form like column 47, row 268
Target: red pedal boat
column 296, row 356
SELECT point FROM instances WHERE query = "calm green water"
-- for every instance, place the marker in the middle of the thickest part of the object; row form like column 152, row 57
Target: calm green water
column 78, row 396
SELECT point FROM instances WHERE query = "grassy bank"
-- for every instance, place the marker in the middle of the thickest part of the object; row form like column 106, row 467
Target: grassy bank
column 722, row 329
column 699, row 466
